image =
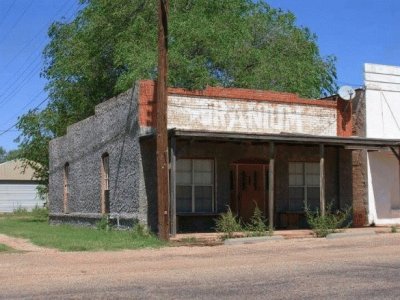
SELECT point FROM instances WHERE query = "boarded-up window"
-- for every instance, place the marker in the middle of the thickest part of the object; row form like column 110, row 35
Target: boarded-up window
column 195, row 185
column 66, row 187
column 105, row 183
column 304, row 184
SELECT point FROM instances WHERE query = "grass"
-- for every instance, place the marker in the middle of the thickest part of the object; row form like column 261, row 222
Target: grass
column 34, row 226
column 5, row 248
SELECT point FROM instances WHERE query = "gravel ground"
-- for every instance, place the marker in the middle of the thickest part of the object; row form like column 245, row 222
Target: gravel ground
column 366, row 267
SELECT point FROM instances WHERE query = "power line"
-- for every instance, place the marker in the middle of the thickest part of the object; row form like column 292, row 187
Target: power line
column 18, row 20
column 16, row 123
column 23, row 82
column 22, row 109
column 6, row 13
column 23, row 77
column 37, row 35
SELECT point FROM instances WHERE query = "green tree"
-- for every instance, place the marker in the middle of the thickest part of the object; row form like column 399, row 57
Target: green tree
column 3, row 154
column 111, row 44
column 12, row 154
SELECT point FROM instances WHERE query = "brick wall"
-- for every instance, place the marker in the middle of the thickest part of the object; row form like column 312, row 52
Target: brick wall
column 247, row 111
column 359, row 163
column 249, row 116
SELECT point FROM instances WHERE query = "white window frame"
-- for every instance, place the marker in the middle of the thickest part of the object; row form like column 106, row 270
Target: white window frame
column 305, row 186
column 193, row 185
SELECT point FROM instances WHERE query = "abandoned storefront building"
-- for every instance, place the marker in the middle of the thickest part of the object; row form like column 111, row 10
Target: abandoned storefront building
column 227, row 147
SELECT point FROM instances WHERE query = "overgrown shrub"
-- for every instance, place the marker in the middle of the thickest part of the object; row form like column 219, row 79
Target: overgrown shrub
column 104, row 223
column 331, row 222
column 257, row 225
column 140, row 230
column 393, row 228
column 40, row 214
column 20, row 211
column 228, row 224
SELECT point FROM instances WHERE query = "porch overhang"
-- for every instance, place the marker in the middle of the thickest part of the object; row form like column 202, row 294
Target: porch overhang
column 351, row 143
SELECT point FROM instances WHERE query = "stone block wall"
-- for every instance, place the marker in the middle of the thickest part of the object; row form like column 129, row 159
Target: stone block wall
column 114, row 129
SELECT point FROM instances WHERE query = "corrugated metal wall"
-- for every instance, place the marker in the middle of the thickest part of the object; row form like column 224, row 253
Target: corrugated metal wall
column 13, row 196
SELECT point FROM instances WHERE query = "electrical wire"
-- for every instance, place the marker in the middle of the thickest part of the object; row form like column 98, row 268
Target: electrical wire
column 36, row 35
column 23, row 108
column 17, row 21
column 6, row 13
column 16, row 123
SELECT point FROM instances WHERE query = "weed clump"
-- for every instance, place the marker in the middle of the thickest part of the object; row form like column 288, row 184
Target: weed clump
column 140, row 230
column 40, row 214
column 104, row 223
column 228, row 224
column 258, row 224
column 330, row 222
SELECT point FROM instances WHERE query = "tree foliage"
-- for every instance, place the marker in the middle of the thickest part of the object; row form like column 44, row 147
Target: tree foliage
column 111, row 44
column 3, row 155
column 8, row 155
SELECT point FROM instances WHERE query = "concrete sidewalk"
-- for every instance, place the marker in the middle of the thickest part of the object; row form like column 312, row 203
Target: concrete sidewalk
column 214, row 237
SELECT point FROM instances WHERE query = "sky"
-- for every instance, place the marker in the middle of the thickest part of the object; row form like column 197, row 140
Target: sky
column 355, row 31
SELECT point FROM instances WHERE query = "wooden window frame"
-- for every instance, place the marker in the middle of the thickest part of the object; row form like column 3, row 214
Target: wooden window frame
column 66, row 193
column 193, row 185
column 105, row 180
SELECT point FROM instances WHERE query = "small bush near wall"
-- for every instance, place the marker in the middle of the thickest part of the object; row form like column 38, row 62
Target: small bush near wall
column 331, row 222
column 40, row 214
column 228, row 224
column 258, row 224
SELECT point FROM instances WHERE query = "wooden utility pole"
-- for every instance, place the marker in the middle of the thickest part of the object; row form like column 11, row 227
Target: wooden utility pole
column 162, row 133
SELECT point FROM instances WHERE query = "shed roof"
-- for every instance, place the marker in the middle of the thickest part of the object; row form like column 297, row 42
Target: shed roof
column 14, row 170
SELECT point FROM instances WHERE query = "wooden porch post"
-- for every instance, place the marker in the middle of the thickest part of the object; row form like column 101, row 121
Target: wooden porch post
column 322, row 179
column 271, row 175
column 173, row 186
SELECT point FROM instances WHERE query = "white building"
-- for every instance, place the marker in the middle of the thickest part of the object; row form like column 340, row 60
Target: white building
column 18, row 188
column 382, row 118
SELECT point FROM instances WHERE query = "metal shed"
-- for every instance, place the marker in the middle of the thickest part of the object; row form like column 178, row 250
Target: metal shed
column 18, row 187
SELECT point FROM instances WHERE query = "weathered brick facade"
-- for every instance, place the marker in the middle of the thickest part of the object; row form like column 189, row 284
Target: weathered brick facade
column 359, row 161
column 243, row 110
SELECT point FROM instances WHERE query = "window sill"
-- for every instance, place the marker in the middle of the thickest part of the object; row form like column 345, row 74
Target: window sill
column 194, row 214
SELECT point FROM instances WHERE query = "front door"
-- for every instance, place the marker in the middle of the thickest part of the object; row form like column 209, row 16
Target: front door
column 250, row 189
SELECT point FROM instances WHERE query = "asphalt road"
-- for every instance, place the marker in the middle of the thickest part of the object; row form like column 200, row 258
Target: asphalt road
column 348, row 268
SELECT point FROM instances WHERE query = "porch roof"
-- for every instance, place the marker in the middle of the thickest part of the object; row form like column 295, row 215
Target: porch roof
column 288, row 138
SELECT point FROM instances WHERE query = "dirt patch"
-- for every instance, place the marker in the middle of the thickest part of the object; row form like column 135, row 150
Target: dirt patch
column 22, row 244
